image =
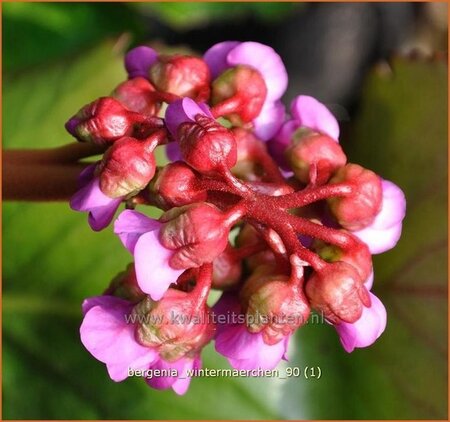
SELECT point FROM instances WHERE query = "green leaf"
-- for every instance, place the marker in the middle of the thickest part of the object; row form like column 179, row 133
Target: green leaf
column 59, row 29
column 52, row 261
column 181, row 15
column 401, row 133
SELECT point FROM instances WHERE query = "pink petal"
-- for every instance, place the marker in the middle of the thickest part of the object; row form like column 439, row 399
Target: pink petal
column 106, row 335
column 236, row 342
column 105, row 301
column 313, row 114
column 139, row 60
column 267, row 61
column 153, row 272
column 216, row 57
column 369, row 282
column 173, row 152
column 264, row 356
column 131, row 225
column 182, row 111
column 367, row 329
column 278, row 145
column 269, row 121
column 181, row 385
column 379, row 241
column 393, row 207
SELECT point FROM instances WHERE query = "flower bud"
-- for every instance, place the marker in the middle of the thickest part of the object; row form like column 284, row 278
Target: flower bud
column 185, row 76
column 338, row 292
column 126, row 168
column 125, row 286
column 246, row 84
column 197, row 233
column 206, row 145
column 357, row 255
column 175, row 186
column 249, row 236
column 227, row 270
column 136, row 95
column 314, row 156
column 175, row 325
column 273, row 306
column 102, row 122
column 359, row 209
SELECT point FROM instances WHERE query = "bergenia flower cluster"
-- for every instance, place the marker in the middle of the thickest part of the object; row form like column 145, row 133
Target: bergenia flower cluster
column 255, row 201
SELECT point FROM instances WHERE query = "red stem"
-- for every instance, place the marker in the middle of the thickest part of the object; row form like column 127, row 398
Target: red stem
column 310, row 195
column 226, row 107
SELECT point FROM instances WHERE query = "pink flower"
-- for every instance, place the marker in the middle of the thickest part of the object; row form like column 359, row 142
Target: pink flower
column 385, row 231
column 139, row 60
column 263, row 58
column 180, row 382
column 243, row 350
column 90, row 198
column 107, row 336
column 306, row 112
column 366, row 330
column 140, row 235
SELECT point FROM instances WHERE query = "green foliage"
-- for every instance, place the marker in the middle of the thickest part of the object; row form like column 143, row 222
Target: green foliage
column 186, row 15
column 51, row 261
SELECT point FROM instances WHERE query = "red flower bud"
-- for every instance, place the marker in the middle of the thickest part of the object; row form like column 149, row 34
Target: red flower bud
column 358, row 210
column 126, row 168
column 136, row 95
column 125, row 286
column 175, row 325
column 227, row 270
column 247, row 86
column 206, row 145
column 103, row 121
column 273, row 306
column 357, row 255
column 197, row 233
column 249, row 236
column 175, row 186
column 315, row 156
column 185, row 76
column 338, row 292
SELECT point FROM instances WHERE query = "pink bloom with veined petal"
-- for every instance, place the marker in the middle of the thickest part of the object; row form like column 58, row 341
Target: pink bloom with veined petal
column 110, row 339
column 263, row 58
column 243, row 350
column 366, row 330
column 385, row 231
column 180, row 112
column 306, row 112
column 91, row 199
column 140, row 235
column 139, row 60
column 180, row 382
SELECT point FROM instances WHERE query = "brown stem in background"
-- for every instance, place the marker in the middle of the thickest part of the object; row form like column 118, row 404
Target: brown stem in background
column 45, row 174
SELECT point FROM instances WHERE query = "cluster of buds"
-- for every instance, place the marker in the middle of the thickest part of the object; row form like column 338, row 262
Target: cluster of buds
column 253, row 202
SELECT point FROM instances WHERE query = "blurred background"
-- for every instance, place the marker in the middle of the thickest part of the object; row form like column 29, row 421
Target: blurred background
column 380, row 67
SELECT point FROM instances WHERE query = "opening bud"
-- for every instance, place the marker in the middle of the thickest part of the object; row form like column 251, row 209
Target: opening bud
column 198, row 233
column 206, row 145
column 273, row 305
column 185, row 76
column 127, row 167
column 244, row 90
column 338, row 292
column 175, row 325
column 358, row 210
column 103, row 121
column 175, row 186
column 314, row 157
column 136, row 95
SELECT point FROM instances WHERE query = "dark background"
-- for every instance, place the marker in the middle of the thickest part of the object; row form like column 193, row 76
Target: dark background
column 380, row 67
